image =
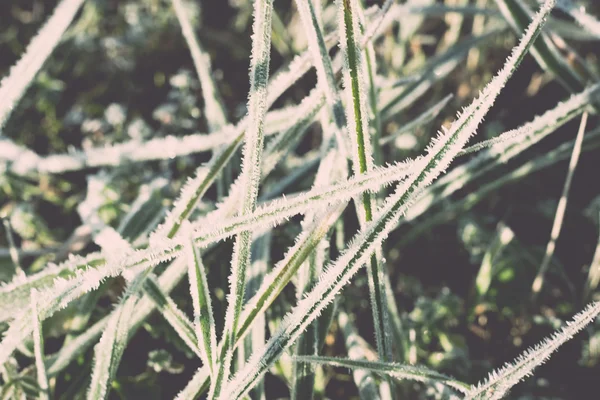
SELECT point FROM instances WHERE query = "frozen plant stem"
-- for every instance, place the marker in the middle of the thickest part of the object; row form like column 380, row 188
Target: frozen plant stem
column 358, row 128
column 560, row 210
column 251, row 172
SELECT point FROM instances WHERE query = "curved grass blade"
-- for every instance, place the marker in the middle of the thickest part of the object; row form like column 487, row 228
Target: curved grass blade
column 110, row 348
column 273, row 283
column 439, row 156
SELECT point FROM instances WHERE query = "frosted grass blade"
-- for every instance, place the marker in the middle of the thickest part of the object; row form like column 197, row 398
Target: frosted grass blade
column 251, row 173
column 367, row 387
column 38, row 348
column 172, row 314
column 394, row 370
column 13, row 87
column 110, row 348
column 213, row 107
column 203, row 315
column 362, row 162
column 273, row 283
column 500, row 381
column 585, row 20
column 544, row 50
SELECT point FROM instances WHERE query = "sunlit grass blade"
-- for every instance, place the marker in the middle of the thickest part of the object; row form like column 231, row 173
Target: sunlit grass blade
column 500, row 381
column 325, row 72
column 66, row 290
column 195, row 188
column 173, row 274
column 261, row 258
column 279, row 209
column 251, row 174
column 38, row 347
column 394, row 370
column 13, row 87
column 439, row 156
column 332, row 167
column 14, row 295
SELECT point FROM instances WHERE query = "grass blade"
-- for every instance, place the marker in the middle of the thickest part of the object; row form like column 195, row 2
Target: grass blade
column 560, row 209
column 13, row 87
column 38, row 347
column 253, row 148
column 544, row 50
column 203, row 315
column 394, row 370
column 174, row 316
column 362, row 153
column 499, row 382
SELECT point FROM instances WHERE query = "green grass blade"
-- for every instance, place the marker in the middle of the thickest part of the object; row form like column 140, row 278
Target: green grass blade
column 362, row 161
column 203, row 315
column 110, row 348
column 273, row 283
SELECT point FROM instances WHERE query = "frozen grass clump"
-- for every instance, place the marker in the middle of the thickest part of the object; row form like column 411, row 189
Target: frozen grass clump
column 268, row 203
